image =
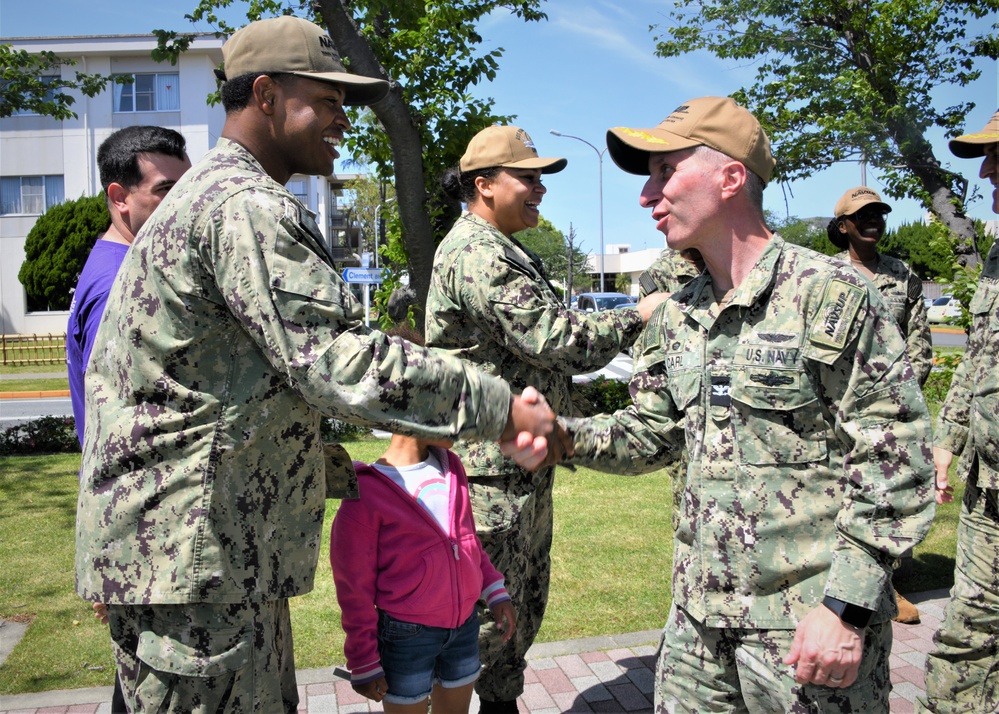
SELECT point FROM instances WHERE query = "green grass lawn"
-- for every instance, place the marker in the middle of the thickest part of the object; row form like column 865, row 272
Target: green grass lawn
column 611, row 570
column 33, row 384
column 611, row 563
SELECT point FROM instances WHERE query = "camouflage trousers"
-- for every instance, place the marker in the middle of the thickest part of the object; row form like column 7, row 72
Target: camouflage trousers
column 711, row 669
column 200, row 659
column 513, row 517
column 962, row 671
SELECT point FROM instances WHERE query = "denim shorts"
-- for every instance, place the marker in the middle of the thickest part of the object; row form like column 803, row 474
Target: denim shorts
column 415, row 657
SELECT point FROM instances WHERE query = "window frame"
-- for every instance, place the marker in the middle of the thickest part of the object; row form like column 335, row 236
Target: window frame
column 154, row 94
column 51, row 194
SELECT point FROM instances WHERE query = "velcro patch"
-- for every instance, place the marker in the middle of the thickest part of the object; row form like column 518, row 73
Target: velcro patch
column 839, row 308
column 721, row 391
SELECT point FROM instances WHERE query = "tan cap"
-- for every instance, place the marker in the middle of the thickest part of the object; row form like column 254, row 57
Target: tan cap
column 507, row 146
column 717, row 122
column 856, row 198
column 971, row 145
column 291, row 45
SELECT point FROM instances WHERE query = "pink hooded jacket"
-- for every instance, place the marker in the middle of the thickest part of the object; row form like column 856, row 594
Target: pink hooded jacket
column 388, row 553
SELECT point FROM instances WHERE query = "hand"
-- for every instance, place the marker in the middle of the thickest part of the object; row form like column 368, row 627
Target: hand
column 506, row 618
column 101, row 612
column 535, row 452
column 941, row 460
column 528, row 451
column 826, row 650
column 649, row 303
column 374, row 690
column 528, row 412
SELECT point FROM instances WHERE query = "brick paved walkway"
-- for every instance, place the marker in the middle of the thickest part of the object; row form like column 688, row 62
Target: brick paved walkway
column 599, row 674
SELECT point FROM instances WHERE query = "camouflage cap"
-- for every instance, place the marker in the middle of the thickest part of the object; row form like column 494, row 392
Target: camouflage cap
column 291, row 45
column 716, row 122
column 971, row 145
column 507, row 146
column 856, row 198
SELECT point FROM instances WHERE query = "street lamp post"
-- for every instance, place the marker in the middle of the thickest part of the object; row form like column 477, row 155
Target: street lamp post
column 600, row 159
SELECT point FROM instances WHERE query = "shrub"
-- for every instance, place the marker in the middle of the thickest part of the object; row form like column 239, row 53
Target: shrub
column 47, row 435
column 56, row 248
column 334, row 431
column 938, row 383
column 600, row 396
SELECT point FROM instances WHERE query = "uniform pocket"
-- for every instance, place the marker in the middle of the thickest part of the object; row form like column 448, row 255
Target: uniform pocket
column 198, row 652
column 777, row 418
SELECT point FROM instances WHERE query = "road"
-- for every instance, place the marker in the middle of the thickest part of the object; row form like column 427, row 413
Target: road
column 15, row 411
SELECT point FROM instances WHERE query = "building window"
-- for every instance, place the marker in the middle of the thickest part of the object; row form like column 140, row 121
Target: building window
column 31, row 195
column 49, row 97
column 299, row 188
column 148, row 93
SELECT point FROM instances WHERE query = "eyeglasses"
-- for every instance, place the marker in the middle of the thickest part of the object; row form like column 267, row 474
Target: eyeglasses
column 868, row 213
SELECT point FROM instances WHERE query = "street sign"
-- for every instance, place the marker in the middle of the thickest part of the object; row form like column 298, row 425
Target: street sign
column 363, row 275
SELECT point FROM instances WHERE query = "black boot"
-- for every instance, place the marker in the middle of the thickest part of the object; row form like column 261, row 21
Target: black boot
column 488, row 707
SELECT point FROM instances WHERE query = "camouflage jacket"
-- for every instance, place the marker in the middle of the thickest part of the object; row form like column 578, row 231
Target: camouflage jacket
column 226, row 336
column 968, row 423
column 490, row 304
column 809, row 440
column 902, row 290
column 667, row 274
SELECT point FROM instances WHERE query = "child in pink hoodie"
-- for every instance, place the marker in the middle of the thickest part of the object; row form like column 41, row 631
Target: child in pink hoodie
column 409, row 570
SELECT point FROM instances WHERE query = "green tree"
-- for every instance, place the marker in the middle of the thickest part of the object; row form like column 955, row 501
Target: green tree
column 56, row 249
column 34, row 83
column 429, row 50
column 553, row 249
column 807, row 232
column 842, row 80
column 372, row 203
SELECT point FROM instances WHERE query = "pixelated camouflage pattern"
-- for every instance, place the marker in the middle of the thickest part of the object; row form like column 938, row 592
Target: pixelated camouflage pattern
column 208, row 659
column 491, row 304
column 341, row 479
column 702, row 669
column 962, row 671
column 227, row 334
column 667, row 274
column 810, row 462
column 968, row 423
column 902, row 291
column 516, row 531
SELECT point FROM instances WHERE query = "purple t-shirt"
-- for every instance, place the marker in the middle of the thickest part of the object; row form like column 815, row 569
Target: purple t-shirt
column 85, row 315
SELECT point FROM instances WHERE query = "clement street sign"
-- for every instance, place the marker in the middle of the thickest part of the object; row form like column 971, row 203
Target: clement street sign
column 362, row 275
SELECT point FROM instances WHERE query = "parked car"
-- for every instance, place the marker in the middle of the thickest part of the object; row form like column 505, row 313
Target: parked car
column 927, row 302
column 594, row 302
column 944, row 309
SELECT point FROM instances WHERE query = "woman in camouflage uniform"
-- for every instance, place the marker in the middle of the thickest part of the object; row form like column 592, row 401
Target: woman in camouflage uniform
column 491, row 304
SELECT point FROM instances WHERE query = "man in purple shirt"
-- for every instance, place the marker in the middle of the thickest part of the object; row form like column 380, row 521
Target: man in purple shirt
column 138, row 166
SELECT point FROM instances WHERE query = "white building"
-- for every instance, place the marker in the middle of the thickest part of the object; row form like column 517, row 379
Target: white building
column 619, row 259
column 44, row 161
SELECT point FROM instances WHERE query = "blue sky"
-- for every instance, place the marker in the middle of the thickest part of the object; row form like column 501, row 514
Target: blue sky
column 589, row 67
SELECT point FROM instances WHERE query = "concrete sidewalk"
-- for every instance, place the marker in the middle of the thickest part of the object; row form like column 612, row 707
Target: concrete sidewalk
column 598, row 674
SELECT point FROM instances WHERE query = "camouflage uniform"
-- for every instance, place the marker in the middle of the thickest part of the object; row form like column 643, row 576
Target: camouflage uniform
column 667, row 274
column 490, row 304
column 808, row 434
column 963, row 669
column 902, row 291
column 203, row 471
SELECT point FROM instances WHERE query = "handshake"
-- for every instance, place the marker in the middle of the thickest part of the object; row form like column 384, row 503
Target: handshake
column 533, row 437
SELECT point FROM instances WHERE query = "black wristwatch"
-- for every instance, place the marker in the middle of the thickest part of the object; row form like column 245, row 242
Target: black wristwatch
column 851, row 614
